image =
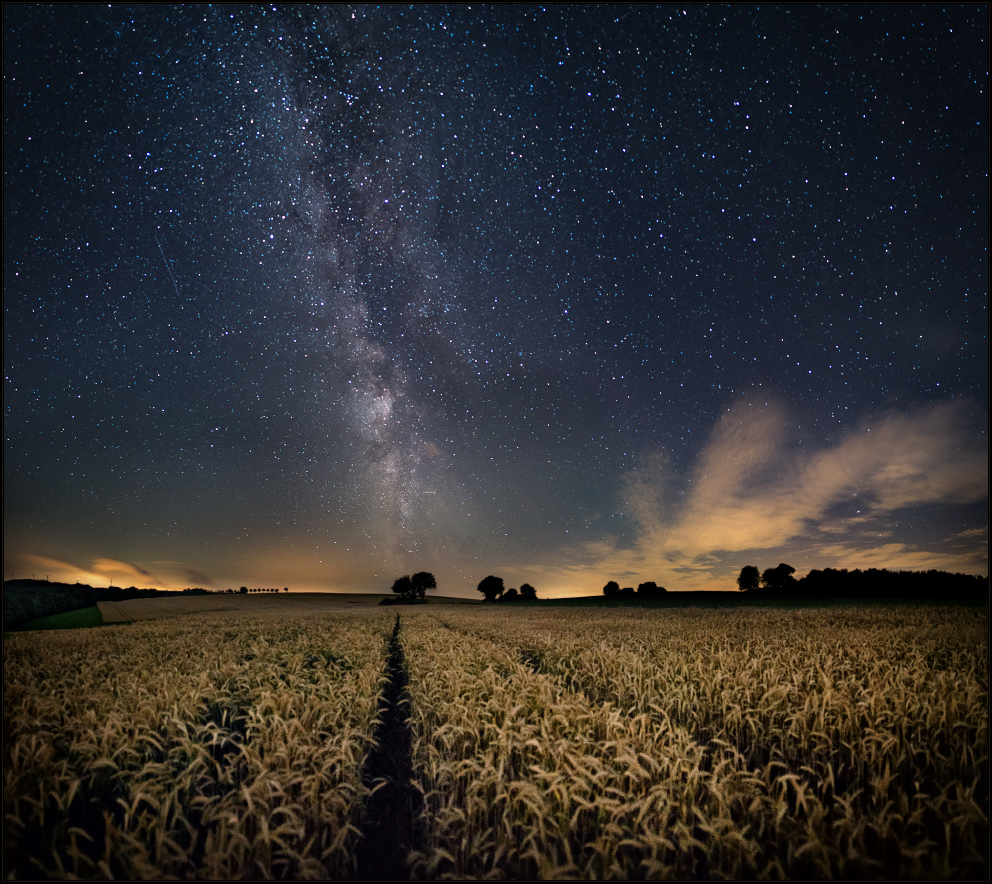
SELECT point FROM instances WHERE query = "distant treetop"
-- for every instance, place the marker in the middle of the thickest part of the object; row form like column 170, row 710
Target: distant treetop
column 413, row 588
column 491, row 587
column 423, row 581
column 748, row 579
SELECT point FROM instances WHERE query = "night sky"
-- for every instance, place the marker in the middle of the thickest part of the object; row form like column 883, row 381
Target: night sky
column 316, row 297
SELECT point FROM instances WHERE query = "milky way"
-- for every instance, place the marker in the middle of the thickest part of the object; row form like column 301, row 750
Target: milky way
column 324, row 295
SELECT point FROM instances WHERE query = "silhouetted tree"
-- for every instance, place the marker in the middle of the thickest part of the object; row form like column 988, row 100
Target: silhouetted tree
column 528, row 593
column 285, row 589
column 422, row 581
column 779, row 578
column 627, row 592
column 511, row 595
column 748, row 579
column 650, row 590
column 243, row 589
column 612, row 588
column 403, row 586
column 491, row 587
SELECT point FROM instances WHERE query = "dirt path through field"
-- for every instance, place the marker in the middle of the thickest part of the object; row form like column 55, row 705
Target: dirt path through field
column 389, row 830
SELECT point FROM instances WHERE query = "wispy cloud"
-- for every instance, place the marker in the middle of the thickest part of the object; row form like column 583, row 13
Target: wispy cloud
column 885, row 493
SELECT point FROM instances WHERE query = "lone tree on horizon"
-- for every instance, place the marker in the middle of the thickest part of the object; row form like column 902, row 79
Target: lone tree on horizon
column 403, row 586
column 491, row 587
column 748, row 579
column 423, row 581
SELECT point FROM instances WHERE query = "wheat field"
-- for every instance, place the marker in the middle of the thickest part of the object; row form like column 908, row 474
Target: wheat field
column 189, row 748
column 839, row 743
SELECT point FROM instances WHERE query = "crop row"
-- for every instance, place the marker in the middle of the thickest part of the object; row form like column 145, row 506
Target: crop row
column 767, row 744
column 191, row 748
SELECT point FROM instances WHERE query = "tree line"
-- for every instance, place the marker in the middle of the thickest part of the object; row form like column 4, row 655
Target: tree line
column 870, row 583
column 778, row 582
column 493, row 590
column 412, row 589
column 647, row 590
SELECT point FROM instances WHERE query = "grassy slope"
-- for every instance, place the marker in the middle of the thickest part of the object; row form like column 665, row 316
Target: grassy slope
column 81, row 618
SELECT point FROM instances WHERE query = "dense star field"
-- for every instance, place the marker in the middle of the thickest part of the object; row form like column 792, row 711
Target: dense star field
column 322, row 296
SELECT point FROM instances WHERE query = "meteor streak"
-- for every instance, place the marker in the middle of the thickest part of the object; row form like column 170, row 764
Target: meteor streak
column 168, row 269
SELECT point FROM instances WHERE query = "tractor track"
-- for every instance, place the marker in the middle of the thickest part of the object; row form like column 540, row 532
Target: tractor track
column 390, row 826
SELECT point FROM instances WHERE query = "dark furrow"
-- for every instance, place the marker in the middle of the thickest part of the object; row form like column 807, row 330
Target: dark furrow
column 389, row 830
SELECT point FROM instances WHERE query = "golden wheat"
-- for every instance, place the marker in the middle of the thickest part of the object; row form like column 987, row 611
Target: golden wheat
column 672, row 743
column 189, row 748
column 838, row 743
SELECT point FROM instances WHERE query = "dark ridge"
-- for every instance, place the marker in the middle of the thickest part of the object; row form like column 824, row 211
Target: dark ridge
column 28, row 599
column 389, row 830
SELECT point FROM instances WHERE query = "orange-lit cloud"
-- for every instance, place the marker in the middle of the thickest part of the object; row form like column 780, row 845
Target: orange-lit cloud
column 22, row 565
column 103, row 571
column 758, row 491
column 121, row 572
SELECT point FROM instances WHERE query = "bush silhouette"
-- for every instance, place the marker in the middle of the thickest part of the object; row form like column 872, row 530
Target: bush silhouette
column 491, row 587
